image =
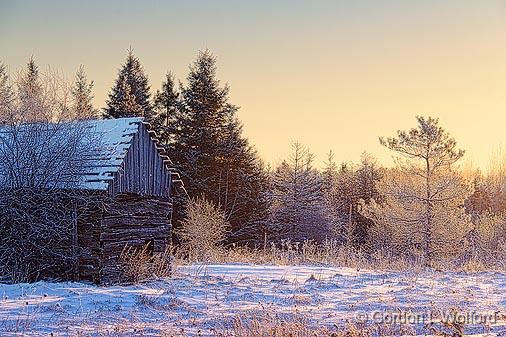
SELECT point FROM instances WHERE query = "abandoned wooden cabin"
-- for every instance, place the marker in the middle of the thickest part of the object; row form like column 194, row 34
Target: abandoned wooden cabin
column 127, row 183
column 134, row 178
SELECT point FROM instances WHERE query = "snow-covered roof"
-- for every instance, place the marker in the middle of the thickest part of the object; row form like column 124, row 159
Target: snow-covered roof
column 114, row 138
column 109, row 141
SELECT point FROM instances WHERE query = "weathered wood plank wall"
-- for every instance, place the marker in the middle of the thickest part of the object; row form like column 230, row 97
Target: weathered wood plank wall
column 144, row 170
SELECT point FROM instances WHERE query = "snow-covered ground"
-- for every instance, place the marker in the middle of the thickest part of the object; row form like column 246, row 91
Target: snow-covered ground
column 207, row 298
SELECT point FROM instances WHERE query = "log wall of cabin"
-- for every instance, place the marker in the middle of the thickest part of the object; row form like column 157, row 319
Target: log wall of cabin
column 132, row 220
column 88, row 241
column 136, row 210
column 143, row 171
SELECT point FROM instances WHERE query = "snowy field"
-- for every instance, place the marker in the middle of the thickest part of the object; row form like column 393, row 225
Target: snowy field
column 205, row 299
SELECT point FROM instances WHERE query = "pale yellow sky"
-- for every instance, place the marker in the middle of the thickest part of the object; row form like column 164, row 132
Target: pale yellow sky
column 330, row 74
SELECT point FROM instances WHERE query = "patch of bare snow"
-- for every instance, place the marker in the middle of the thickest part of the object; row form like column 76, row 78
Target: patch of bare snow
column 202, row 298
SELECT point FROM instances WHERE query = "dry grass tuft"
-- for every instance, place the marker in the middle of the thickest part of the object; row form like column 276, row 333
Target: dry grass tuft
column 275, row 327
column 138, row 265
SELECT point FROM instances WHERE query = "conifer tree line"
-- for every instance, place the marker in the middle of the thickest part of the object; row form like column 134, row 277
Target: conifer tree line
column 425, row 207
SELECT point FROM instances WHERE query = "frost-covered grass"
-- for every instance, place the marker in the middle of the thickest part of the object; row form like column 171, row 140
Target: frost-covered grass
column 333, row 253
column 328, row 253
column 222, row 299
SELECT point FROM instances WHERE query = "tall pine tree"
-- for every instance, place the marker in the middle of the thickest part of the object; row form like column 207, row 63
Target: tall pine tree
column 214, row 158
column 83, row 97
column 132, row 83
column 423, row 211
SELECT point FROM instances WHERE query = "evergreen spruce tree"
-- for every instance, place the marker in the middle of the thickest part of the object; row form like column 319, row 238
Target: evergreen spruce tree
column 33, row 71
column 344, row 189
column 329, row 173
column 131, row 78
column 164, row 112
column 367, row 177
column 129, row 102
column 200, row 126
column 82, row 96
column 297, row 207
column 214, row 158
column 243, row 184
column 30, row 93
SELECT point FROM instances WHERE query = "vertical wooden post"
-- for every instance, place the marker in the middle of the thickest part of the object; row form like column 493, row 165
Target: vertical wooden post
column 75, row 257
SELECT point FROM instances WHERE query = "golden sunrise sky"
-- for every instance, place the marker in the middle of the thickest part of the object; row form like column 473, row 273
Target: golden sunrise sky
column 330, row 74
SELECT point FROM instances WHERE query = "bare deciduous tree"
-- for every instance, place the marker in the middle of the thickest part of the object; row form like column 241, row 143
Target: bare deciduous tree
column 43, row 156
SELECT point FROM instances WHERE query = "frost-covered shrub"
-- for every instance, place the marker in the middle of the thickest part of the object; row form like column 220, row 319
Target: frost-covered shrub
column 203, row 229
